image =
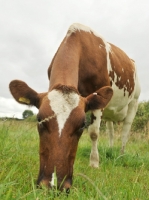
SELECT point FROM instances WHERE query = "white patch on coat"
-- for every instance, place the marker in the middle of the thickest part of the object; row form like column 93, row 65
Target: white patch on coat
column 101, row 46
column 77, row 27
column 80, row 27
column 94, row 127
column 116, row 110
column 62, row 105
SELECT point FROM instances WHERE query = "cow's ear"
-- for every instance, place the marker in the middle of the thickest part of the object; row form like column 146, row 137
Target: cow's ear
column 99, row 99
column 24, row 94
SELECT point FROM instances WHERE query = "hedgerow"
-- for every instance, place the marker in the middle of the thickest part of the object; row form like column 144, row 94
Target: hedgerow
column 140, row 121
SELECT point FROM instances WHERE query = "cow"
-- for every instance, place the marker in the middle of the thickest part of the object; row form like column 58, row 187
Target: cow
column 86, row 74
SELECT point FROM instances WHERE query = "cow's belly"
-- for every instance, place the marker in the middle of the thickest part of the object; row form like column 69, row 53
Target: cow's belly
column 117, row 108
column 114, row 114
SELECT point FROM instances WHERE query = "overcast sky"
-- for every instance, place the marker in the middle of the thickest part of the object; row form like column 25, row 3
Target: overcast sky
column 31, row 31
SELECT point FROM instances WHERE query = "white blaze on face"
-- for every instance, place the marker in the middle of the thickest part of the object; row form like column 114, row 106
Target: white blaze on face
column 62, row 105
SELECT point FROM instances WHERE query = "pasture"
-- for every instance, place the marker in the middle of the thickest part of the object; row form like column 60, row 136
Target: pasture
column 119, row 177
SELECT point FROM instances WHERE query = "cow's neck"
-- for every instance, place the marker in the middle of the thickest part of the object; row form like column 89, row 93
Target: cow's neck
column 65, row 66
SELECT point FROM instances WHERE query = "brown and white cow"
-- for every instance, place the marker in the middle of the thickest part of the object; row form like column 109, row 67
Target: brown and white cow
column 86, row 73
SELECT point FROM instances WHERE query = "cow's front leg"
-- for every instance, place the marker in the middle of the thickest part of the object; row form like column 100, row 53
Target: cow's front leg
column 94, row 134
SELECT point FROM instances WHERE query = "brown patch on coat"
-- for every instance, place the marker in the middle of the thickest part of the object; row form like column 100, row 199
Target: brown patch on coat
column 92, row 118
column 123, row 68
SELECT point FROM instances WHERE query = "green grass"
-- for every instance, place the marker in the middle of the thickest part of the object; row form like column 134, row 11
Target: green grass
column 118, row 177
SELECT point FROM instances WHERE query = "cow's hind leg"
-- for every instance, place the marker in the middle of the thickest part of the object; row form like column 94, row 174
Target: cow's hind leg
column 132, row 109
column 94, row 134
column 110, row 131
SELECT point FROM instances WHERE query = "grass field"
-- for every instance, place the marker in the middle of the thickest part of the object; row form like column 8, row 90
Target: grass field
column 119, row 177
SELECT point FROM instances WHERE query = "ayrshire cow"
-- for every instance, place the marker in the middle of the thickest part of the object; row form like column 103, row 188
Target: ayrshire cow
column 86, row 73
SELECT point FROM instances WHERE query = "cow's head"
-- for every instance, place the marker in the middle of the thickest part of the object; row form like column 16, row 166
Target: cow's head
column 61, row 119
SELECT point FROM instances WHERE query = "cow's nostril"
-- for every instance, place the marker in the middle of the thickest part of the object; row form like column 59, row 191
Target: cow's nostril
column 68, row 190
column 67, row 186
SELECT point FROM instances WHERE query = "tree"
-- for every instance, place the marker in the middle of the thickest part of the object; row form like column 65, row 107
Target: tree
column 142, row 117
column 27, row 113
